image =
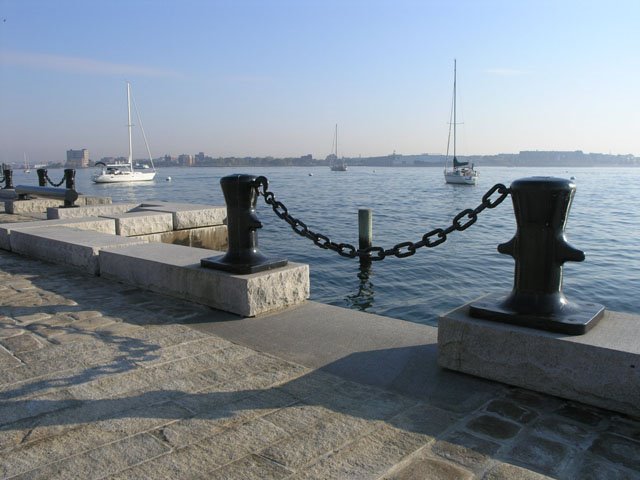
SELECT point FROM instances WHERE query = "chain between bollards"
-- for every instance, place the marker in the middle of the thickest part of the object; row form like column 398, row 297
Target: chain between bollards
column 431, row 239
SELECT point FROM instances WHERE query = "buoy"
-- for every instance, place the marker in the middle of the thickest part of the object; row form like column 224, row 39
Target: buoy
column 311, row 174
column 168, row 179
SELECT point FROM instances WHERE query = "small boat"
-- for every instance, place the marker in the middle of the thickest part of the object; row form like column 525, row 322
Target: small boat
column 337, row 164
column 460, row 172
column 26, row 164
column 168, row 179
column 124, row 172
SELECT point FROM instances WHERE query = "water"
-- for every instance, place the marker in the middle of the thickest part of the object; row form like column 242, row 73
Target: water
column 406, row 203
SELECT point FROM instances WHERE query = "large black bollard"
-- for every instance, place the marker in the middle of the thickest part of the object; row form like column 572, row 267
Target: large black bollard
column 42, row 177
column 539, row 247
column 242, row 257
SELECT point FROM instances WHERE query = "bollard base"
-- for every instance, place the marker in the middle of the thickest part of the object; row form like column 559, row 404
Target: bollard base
column 220, row 263
column 575, row 319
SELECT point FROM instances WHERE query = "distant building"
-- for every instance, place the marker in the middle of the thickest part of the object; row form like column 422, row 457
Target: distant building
column 186, row 160
column 199, row 158
column 77, row 158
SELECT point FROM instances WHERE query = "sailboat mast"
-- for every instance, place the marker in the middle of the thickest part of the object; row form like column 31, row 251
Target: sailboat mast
column 454, row 108
column 129, row 123
column 336, row 141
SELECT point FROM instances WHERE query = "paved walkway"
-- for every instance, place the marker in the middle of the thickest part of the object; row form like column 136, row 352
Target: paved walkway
column 101, row 380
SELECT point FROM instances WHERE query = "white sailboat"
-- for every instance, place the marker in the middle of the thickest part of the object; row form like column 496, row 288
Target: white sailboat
column 460, row 172
column 337, row 164
column 124, row 172
column 26, row 164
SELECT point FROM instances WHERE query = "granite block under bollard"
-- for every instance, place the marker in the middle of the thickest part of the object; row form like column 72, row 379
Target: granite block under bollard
column 67, row 246
column 600, row 368
column 175, row 270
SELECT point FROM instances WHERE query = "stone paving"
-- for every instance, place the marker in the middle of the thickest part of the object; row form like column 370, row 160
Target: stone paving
column 102, row 380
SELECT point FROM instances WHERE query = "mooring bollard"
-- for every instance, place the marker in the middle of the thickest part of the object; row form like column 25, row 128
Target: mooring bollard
column 7, row 173
column 539, row 247
column 42, row 177
column 242, row 257
column 70, row 178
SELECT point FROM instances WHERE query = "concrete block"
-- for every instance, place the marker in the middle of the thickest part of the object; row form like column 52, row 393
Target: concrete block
column 600, row 368
column 187, row 215
column 141, row 223
column 35, row 205
column 90, row 210
column 40, row 205
column 96, row 224
column 67, row 246
column 93, row 200
column 175, row 270
column 213, row 238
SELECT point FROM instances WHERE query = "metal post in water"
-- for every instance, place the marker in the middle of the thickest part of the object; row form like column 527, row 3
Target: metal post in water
column 42, row 177
column 540, row 248
column 365, row 228
column 242, row 257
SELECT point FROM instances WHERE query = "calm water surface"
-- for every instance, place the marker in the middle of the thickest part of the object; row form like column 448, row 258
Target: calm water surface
column 406, row 203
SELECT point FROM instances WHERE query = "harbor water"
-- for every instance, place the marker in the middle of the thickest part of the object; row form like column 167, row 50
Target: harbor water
column 407, row 202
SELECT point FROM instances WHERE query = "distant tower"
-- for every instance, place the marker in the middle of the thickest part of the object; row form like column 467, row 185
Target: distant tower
column 77, row 158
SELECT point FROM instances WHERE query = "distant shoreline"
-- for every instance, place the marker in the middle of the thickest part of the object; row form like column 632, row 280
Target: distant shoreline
column 522, row 159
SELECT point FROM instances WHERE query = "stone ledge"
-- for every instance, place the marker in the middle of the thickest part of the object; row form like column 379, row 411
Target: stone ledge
column 67, row 246
column 175, row 270
column 90, row 210
column 103, row 225
column 213, row 237
column 187, row 215
column 600, row 368
column 141, row 223
column 39, row 205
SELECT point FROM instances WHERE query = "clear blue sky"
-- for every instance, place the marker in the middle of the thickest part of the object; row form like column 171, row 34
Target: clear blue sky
column 273, row 77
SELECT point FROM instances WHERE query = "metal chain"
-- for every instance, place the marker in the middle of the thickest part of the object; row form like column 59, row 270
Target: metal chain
column 46, row 176
column 435, row 237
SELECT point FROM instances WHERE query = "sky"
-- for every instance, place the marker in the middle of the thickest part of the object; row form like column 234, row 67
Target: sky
column 274, row 77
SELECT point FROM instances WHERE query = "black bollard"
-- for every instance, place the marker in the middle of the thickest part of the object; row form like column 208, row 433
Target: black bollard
column 539, row 247
column 70, row 178
column 42, row 177
column 242, row 257
column 8, row 178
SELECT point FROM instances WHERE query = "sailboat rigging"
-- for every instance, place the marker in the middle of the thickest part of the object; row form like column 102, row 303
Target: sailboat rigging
column 124, row 172
column 460, row 172
column 337, row 164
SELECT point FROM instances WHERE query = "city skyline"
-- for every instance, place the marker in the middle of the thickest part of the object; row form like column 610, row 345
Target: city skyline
column 259, row 79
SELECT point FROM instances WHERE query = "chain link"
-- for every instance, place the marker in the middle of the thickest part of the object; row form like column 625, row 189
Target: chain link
column 435, row 237
column 46, row 176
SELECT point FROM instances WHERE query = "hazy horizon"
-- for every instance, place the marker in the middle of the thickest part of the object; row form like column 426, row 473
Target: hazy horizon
column 272, row 78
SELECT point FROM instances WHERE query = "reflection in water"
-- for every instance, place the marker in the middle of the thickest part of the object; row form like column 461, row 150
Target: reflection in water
column 363, row 298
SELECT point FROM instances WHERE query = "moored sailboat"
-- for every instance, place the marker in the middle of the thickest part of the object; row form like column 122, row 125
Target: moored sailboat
column 124, row 172
column 460, row 172
column 337, row 164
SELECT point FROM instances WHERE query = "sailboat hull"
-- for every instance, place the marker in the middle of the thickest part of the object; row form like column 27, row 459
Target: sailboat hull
column 123, row 177
column 461, row 178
